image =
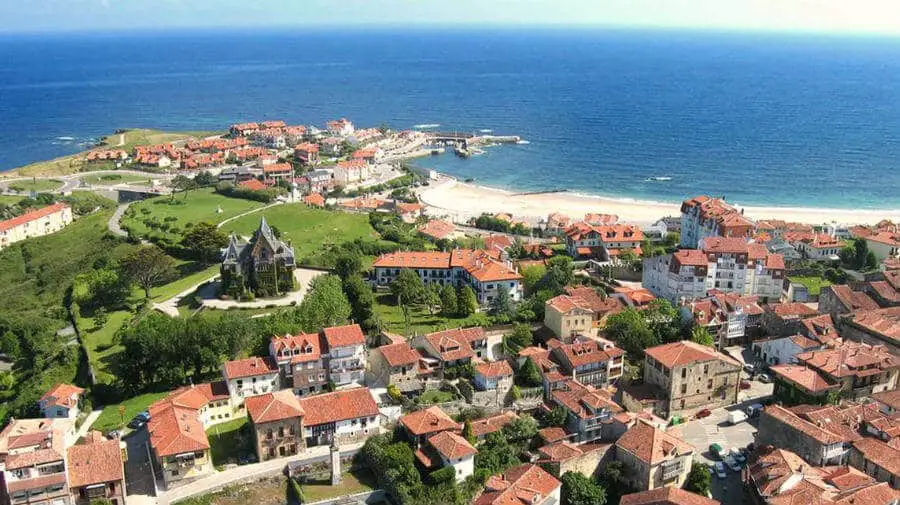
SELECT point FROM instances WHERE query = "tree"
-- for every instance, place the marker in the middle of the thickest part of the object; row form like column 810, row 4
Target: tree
column 515, row 394
column 448, row 301
column 521, row 431
column 560, row 274
column 324, row 304
column 182, row 183
column 432, row 298
column 516, row 250
column 348, row 264
column 467, row 304
column 871, row 261
column 531, row 277
column 521, row 337
column 147, row 266
column 556, row 417
column 205, row 242
column 500, row 306
column 529, row 375
column 612, row 477
column 100, row 501
column 204, row 179
column 468, row 432
column 362, row 302
column 698, row 480
column 701, row 335
column 630, row 331
column 409, row 291
column 100, row 317
column 861, row 250
column 9, row 345
column 578, row 489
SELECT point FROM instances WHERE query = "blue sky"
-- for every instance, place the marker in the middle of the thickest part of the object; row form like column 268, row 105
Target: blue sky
column 842, row 16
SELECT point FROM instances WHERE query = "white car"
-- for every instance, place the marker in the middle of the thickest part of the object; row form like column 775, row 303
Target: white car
column 720, row 470
column 734, row 465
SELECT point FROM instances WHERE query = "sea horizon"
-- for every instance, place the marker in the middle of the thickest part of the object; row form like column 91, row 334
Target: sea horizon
column 787, row 119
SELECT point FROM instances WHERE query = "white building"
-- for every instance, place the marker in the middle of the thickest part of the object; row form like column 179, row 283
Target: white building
column 783, row 350
column 451, row 450
column 703, row 217
column 346, row 354
column 352, row 171
column 884, row 245
column 250, row 377
column 35, row 223
column 815, row 246
column 341, row 127
column 62, row 401
column 342, row 417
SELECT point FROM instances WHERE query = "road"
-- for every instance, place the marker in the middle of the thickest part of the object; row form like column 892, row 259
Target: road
column 113, row 223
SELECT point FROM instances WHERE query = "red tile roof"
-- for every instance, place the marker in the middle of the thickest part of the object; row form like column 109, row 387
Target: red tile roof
column 686, row 352
column 483, row 426
column 252, row 185
column 250, row 367
column 690, row 257
column 32, row 216
column 884, row 322
column 437, row 229
column 455, row 344
column 792, row 309
column 850, row 359
column 803, row 376
column 430, row 420
column 804, row 426
column 272, row 407
column 494, row 369
column 652, row 445
column 521, row 485
column 451, row 446
column 399, row 354
column 553, row 434
column 302, row 348
column 314, row 200
column 585, row 353
column 63, row 394
column 852, row 300
column 277, row 168
column 340, row 336
column 666, row 496
column 94, row 463
column 584, row 401
column 338, row 406
column 821, row 328
column 880, row 454
column 176, row 430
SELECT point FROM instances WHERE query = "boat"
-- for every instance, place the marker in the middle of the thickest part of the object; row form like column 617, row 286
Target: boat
column 462, row 152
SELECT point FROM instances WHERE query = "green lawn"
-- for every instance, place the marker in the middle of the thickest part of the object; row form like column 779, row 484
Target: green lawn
column 38, row 185
column 435, row 396
column 110, row 419
column 113, row 179
column 99, row 342
column 813, row 284
column 193, row 273
column 420, row 321
column 10, row 199
column 229, row 441
column 310, row 231
column 351, row 483
column 197, row 206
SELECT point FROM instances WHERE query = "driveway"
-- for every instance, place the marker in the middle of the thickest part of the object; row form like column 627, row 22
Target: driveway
column 138, row 476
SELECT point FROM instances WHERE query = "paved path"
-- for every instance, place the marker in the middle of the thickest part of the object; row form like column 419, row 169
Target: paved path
column 170, row 306
column 113, row 223
column 232, row 218
column 88, row 422
column 302, row 276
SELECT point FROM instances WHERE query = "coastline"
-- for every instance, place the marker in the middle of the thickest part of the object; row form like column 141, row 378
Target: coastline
column 460, row 201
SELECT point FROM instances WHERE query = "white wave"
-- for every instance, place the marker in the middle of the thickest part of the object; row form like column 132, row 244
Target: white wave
column 523, row 142
column 486, row 130
column 658, row 179
column 426, row 126
column 67, row 139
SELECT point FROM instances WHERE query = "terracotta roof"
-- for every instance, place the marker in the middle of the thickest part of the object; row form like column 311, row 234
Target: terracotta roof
column 850, row 358
column 497, row 242
column 852, row 300
column 250, row 367
column 338, row 406
column 818, row 433
column 314, row 200
column 880, row 454
column 422, row 259
column 455, row 344
column 272, row 407
column 584, row 401
column 192, row 397
column 717, row 210
column 494, row 369
column 769, row 468
column 585, row 353
column 45, row 437
column 483, row 426
column 430, row 420
column 686, row 352
column 885, row 237
column 277, row 168
column 521, row 485
column 399, row 354
column 666, row 496
column 585, row 298
column 885, row 291
column 63, row 394
column 553, row 434
column 302, row 348
column 176, row 430
column 32, row 215
column 437, row 229
column 889, row 398
column 560, row 451
column 94, row 463
column 803, row 376
column 651, row 445
column 881, row 322
column 600, row 219
column 36, row 483
column 339, row 336
column 821, row 328
column 804, row 343
column 690, row 257
column 252, row 185
column 794, row 309
column 451, row 446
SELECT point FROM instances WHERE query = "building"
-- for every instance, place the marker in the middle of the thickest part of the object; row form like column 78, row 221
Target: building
column 340, row 127
column 264, row 266
column 525, row 484
column 785, row 318
column 581, row 311
column 61, row 401
column 815, row 246
column 858, row 369
column 437, row 229
column 493, row 376
column 666, row 496
column 485, row 272
column 590, row 412
column 210, row 401
column 603, row 242
column 564, row 456
column 816, row 443
column 730, row 265
column 703, row 217
column 801, row 383
column 346, row 354
column 301, row 362
column 396, row 364
column 483, row 427
column 96, row 471
column 691, row 377
column 35, row 223
column 448, row 449
column 350, row 172
column 307, row 153
column 276, row 420
column 875, row 327
column 782, row 350
column 423, row 424
column 342, row 417
column 884, row 245
column 250, row 377
column 593, row 363
column 178, row 443
column 730, row 318
column 839, row 299
column 33, row 461
column 653, row 457
column 278, row 171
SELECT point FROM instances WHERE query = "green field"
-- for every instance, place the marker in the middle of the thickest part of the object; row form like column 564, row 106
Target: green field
column 10, row 199
column 110, row 419
column 108, row 179
column 813, row 284
column 37, row 185
column 229, row 441
column 99, row 343
column 196, row 206
column 310, row 231
column 420, row 321
column 435, row 396
column 351, row 483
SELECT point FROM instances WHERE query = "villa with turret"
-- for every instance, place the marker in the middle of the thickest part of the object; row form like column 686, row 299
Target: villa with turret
column 264, row 266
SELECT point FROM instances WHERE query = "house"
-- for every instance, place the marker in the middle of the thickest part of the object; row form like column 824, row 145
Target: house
column 592, row 218
column 370, row 155
column 820, row 328
column 580, row 311
column 346, row 354
column 236, row 175
column 604, row 242
column 314, row 200
column 703, row 217
column 483, row 427
column 276, row 420
column 454, row 347
column 349, row 172
column 564, row 456
column 653, row 458
column 33, row 461
column 666, row 496
column 61, row 401
column 557, row 223
column 95, row 470
column 423, row 424
column 888, row 401
column 301, row 362
column 590, row 411
column 340, row 127
column 178, row 443
column 485, row 272
column 729, row 317
column 446, row 448
column 210, row 402
column 839, row 299
column 592, row 363
column 819, row 444
column 781, row 350
column 307, row 153
column 859, row 369
column 35, row 223
column 250, row 377
column 884, row 244
column 362, row 204
column 883, row 292
column 243, row 129
column 396, row 364
column 263, row 266
column 525, row 484
column 278, row 170
column 875, row 327
column 691, row 377
column 879, row 459
column 815, row 246
column 801, row 382
column 320, row 180
column 493, row 376
column 253, row 185
column 437, row 229
column 785, row 318
column 342, row 417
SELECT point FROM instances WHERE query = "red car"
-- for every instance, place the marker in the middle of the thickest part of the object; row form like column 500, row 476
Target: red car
column 745, row 385
column 703, row 413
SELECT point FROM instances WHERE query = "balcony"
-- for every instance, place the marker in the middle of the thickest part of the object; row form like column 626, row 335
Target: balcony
column 670, row 470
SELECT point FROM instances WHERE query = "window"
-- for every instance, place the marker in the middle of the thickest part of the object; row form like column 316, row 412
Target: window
column 684, row 389
column 683, row 373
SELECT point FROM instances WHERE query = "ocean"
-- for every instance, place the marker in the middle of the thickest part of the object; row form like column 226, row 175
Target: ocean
column 762, row 119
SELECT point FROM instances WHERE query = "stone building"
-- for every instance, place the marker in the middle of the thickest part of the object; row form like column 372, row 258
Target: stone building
column 276, row 421
column 653, row 457
column 264, row 266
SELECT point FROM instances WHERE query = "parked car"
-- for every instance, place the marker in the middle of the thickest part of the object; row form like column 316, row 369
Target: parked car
column 745, row 385
column 764, row 377
column 136, row 424
column 731, row 463
column 143, row 416
column 738, row 455
column 736, row 416
column 717, row 451
column 703, row 413
column 720, row 470
column 754, row 409
column 749, row 368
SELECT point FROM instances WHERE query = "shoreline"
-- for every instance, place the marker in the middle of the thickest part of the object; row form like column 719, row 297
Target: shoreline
column 447, row 196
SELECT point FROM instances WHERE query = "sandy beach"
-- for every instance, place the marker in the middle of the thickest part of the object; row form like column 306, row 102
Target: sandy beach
column 459, row 201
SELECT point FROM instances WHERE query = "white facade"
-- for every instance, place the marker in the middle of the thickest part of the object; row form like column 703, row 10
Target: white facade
column 883, row 250
column 348, row 429
column 244, row 387
column 347, row 364
column 464, row 466
column 686, row 282
column 486, row 292
column 777, row 351
column 44, row 221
